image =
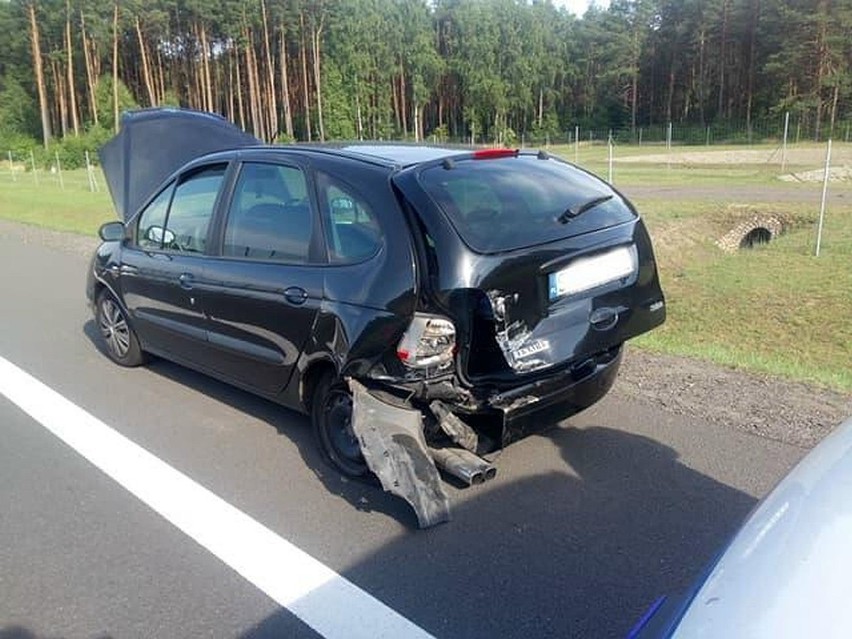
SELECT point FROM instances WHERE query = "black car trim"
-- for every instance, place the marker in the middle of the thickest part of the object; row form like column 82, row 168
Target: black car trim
column 243, row 347
column 177, row 327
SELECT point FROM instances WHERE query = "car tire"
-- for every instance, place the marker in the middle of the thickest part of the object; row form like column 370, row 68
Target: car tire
column 331, row 418
column 118, row 338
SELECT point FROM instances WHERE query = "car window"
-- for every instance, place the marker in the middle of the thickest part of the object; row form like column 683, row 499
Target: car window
column 191, row 210
column 149, row 231
column 352, row 232
column 504, row 204
column 270, row 217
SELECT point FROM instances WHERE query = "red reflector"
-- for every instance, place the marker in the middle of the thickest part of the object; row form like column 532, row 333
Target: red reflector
column 491, row 154
column 403, row 355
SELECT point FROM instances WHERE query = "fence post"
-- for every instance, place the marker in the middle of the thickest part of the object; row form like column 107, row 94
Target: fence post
column 824, row 194
column 576, row 144
column 707, row 137
column 32, row 162
column 669, row 138
column 59, row 170
column 609, row 175
column 89, row 174
column 640, row 136
column 784, row 143
column 12, row 168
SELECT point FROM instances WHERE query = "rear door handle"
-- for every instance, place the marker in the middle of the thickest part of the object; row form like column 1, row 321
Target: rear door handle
column 295, row 295
column 185, row 280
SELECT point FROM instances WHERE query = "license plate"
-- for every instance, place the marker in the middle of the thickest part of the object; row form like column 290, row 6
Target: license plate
column 586, row 273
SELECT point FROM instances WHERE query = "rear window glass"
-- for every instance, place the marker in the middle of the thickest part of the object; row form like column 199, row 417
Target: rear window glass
column 504, row 204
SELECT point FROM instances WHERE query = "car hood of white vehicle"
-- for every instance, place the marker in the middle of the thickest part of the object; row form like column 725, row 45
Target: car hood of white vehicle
column 788, row 571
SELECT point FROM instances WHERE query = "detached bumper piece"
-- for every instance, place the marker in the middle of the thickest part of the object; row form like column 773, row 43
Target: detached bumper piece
column 394, row 448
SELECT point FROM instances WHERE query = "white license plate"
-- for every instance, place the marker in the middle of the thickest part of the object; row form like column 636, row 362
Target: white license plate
column 586, row 273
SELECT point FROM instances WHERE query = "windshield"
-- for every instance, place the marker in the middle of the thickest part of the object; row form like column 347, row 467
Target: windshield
column 508, row 203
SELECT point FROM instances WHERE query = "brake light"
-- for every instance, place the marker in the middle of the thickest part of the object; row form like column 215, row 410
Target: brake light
column 493, row 154
column 429, row 342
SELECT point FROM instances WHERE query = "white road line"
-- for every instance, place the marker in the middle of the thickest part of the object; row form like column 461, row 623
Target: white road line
column 324, row 600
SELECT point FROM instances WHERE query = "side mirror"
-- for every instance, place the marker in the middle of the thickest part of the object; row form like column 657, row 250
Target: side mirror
column 158, row 234
column 111, row 232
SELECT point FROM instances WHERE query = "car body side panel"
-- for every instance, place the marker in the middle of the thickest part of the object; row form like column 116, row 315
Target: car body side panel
column 256, row 332
column 166, row 315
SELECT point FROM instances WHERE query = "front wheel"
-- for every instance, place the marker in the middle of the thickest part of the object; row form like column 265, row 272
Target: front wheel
column 331, row 416
column 118, row 337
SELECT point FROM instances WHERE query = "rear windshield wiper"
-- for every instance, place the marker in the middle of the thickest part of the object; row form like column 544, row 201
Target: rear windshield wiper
column 571, row 212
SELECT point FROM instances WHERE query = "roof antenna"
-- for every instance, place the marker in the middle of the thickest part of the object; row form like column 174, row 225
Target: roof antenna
column 543, row 155
column 448, row 164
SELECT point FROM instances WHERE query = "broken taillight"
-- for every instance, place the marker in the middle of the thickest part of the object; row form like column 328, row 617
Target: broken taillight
column 429, row 342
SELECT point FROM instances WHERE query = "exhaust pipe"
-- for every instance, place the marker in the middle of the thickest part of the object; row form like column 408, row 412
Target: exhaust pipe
column 463, row 465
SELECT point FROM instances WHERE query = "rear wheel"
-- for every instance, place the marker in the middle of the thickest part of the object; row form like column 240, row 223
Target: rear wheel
column 331, row 416
column 118, row 337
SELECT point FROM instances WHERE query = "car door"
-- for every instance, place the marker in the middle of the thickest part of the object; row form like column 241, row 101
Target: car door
column 265, row 286
column 162, row 267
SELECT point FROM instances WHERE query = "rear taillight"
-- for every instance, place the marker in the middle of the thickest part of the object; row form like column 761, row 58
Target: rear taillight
column 494, row 154
column 429, row 342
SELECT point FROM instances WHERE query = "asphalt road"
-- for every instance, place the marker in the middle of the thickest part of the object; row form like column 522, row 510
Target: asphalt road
column 582, row 529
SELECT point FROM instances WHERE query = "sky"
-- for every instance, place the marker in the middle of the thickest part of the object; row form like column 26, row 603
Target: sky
column 578, row 7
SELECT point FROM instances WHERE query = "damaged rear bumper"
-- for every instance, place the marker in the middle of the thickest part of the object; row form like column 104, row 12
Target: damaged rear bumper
column 539, row 405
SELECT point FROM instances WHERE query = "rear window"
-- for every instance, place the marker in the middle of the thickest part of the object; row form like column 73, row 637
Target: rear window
column 509, row 203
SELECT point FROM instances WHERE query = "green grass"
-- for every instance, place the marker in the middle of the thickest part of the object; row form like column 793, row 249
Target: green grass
column 775, row 309
column 46, row 204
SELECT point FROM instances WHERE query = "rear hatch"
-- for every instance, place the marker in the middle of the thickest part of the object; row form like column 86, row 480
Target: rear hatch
column 540, row 264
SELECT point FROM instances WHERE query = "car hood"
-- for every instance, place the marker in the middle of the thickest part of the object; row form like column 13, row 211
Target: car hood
column 787, row 572
column 154, row 143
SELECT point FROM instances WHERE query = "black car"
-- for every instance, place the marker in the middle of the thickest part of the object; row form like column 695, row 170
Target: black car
column 471, row 295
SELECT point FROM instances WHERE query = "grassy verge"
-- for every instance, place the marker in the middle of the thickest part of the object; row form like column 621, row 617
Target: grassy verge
column 776, row 308
column 73, row 208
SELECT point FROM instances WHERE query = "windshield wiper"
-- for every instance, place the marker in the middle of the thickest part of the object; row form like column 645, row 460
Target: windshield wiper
column 571, row 212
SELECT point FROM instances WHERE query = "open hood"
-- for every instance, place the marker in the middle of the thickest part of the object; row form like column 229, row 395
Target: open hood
column 154, row 143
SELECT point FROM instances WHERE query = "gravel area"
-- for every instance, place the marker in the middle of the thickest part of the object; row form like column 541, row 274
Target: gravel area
column 778, row 409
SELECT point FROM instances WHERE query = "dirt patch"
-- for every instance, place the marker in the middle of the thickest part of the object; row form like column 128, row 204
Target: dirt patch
column 814, row 155
column 835, row 174
column 786, row 411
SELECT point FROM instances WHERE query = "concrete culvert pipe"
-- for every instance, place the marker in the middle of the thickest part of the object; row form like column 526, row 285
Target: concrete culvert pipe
column 756, row 237
column 755, row 230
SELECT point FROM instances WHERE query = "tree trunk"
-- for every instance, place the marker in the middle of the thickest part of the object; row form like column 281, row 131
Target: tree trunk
column 72, row 94
column 285, row 86
column 39, row 72
column 115, row 65
column 318, row 78
column 270, row 74
column 358, row 119
column 403, row 108
column 722, row 54
column 239, row 83
column 91, row 81
column 207, row 83
column 59, row 93
column 755, row 16
column 305, row 95
column 146, row 72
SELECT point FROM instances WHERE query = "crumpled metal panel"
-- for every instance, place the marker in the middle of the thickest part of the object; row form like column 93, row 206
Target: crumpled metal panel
column 394, row 448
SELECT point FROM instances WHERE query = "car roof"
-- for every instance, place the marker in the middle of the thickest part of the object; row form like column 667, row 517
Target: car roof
column 394, row 155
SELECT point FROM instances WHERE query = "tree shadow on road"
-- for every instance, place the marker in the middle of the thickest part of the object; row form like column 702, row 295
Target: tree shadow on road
column 574, row 553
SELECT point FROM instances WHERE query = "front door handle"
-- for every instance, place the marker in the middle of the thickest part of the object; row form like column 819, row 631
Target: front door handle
column 295, row 295
column 185, row 280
